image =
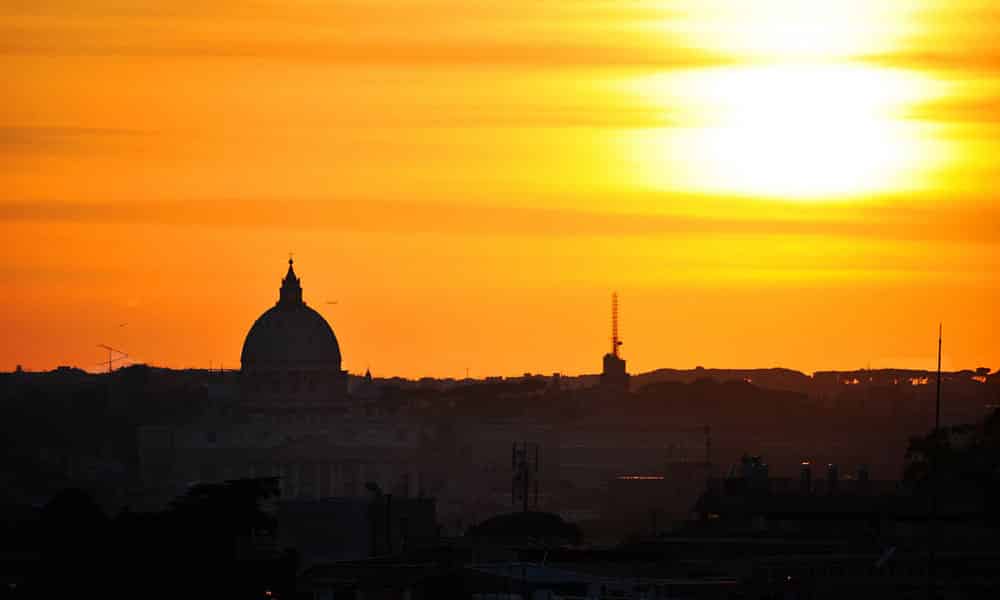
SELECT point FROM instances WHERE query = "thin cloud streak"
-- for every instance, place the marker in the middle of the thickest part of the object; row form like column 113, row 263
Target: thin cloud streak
column 425, row 54
column 962, row 61
column 23, row 137
column 984, row 109
column 972, row 225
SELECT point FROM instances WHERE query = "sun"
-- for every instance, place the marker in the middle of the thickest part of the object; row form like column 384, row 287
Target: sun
column 786, row 131
column 791, row 112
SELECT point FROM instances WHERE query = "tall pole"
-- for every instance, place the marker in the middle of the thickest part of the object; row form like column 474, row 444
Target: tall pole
column 513, row 477
column 534, row 479
column 524, row 480
column 937, row 402
column 614, row 323
column 932, row 475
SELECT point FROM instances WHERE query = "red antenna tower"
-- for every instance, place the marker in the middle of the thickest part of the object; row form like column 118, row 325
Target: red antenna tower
column 615, row 341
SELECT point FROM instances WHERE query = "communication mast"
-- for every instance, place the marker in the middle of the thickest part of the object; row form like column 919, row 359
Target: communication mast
column 615, row 340
column 614, row 377
column 933, row 478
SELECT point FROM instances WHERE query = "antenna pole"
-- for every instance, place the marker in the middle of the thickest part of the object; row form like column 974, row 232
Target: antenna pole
column 112, row 359
column 937, row 402
column 526, row 479
column 534, row 476
column 513, row 477
column 932, row 475
column 614, row 323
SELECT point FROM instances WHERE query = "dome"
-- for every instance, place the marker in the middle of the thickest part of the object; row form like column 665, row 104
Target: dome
column 290, row 334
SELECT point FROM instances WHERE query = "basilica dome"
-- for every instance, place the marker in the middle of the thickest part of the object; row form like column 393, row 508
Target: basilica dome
column 290, row 334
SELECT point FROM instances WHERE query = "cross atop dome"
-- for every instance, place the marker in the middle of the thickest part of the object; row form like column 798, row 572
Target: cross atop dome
column 291, row 287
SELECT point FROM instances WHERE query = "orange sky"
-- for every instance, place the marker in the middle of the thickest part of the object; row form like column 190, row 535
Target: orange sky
column 808, row 185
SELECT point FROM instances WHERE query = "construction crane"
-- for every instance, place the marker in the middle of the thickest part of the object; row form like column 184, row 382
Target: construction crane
column 112, row 359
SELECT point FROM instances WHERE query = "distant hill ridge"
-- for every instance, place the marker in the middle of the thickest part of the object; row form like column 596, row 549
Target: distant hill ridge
column 777, row 378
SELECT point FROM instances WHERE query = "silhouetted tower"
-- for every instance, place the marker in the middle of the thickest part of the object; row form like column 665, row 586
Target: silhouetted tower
column 932, row 463
column 614, row 378
column 708, row 446
column 525, row 475
column 805, row 477
column 615, row 342
column 937, row 396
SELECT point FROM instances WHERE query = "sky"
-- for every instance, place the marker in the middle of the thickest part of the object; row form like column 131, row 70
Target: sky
column 464, row 183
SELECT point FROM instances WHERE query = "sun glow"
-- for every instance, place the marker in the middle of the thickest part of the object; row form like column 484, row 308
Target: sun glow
column 787, row 131
column 792, row 110
column 797, row 29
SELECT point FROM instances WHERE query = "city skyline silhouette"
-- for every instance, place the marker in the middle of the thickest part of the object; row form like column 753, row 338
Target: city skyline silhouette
column 561, row 300
column 796, row 185
column 117, row 356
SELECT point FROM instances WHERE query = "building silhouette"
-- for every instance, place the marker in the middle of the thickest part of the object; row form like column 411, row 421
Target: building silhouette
column 614, row 377
column 292, row 418
column 291, row 359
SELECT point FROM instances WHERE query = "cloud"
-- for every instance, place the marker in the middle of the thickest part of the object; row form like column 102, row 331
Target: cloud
column 350, row 13
column 984, row 109
column 25, row 139
column 972, row 60
column 423, row 53
column 971, row 224
column 517, row 115
column 408, row 32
